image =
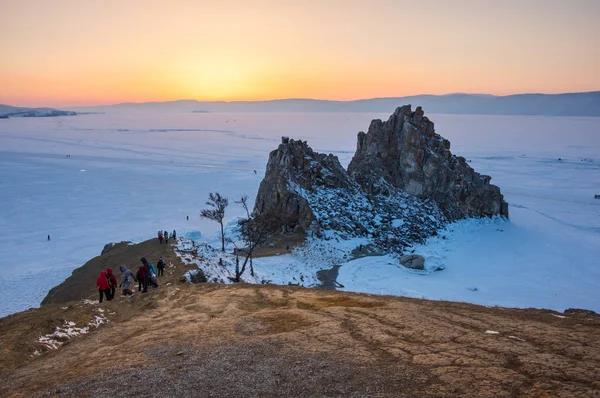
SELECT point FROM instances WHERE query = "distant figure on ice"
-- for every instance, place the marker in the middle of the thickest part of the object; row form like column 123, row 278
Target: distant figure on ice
column 103, row 286
column 126, row 278
column 254, row 171
column 174, row 235
column 112, row 282
column 160, row 237
column 166, row 237
column 48, row 238
column 161, row 266
column 187, row 218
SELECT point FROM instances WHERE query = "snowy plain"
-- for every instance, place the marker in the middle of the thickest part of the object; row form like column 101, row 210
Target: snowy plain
column 132, row 173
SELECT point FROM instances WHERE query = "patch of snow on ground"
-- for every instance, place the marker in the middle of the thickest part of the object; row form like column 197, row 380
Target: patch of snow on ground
column 67, row 331
column 299, row 267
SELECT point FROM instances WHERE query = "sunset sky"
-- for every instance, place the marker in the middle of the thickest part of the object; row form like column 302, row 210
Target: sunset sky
column 87, row 52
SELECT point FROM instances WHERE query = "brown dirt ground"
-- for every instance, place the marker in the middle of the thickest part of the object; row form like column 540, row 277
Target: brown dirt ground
column 211, row 340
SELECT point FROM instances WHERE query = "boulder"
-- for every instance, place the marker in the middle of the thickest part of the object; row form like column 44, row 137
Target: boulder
column 413, row 261
column 405, row 152
column 110, row 246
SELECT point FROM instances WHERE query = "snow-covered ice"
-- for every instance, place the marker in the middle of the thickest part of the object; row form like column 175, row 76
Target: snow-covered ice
column 131, row 174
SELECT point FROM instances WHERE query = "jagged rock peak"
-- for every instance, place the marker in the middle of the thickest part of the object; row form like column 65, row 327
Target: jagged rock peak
column 406, row 153
column 293, row 168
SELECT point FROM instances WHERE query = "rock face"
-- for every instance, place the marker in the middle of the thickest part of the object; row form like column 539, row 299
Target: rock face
column 402, row 186
column 406, row 153
column 294, row 168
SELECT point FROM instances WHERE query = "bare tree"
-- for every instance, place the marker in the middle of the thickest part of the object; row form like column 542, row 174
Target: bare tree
column 216, row 212
column 244, row 202
column 256, row 230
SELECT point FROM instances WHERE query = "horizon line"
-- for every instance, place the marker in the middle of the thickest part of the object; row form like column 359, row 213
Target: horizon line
column 333, row 100
column 302, row 99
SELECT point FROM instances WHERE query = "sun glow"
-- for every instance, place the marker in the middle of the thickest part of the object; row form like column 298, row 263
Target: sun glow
column 73, row 53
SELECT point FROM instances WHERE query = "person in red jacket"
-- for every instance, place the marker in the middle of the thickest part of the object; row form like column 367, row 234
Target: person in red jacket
column 103, row 286
column 112, row 281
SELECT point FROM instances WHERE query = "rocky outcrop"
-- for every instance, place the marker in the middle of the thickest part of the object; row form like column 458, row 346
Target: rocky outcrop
column 406, row 153
column 293, row 169
column 403, row 185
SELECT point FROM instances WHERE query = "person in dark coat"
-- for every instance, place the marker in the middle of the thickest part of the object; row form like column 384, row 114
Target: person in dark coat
column 161, row 267
column 166, row 237
column 103, row 286
column 147, row 275
column 140, row 277
column 146, row 270
column 112, row 281
column 174, row 235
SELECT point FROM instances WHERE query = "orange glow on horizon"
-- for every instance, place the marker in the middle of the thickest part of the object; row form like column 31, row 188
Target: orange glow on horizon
column 69, row 53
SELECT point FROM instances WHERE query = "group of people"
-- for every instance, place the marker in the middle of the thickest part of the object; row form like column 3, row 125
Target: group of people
column 107, row 284
column 164, row 236
column 146, row 276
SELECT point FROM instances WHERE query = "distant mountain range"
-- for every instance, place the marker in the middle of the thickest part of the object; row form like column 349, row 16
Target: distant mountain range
column 570, row 104
column 7, row 111
column 573, row 104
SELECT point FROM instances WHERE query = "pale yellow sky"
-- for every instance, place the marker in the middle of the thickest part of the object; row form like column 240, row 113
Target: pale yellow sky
column 68, row 52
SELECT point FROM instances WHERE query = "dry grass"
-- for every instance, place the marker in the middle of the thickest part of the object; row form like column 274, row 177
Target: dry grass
column 246, row 340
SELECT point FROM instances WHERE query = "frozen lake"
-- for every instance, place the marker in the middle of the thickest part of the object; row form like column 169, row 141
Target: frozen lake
column 130, row 174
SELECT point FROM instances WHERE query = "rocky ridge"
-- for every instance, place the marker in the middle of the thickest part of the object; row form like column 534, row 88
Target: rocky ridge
column 406, row 153
column 402, row 185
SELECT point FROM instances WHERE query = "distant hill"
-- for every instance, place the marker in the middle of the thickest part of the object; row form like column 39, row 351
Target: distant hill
column 571, row 104
column 13, row 111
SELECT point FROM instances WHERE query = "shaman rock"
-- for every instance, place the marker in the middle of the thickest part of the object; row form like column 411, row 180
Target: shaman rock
column 293, row 169
column 406, row 153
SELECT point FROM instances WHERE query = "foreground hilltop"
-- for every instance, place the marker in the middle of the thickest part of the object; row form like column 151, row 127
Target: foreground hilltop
column 217, row 340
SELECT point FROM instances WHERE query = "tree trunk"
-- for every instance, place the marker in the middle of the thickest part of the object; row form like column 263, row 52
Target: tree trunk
column 222, row 238
column 237, row 277
column 251, row 267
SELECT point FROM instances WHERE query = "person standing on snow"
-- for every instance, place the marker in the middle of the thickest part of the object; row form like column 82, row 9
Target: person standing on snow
column 174, row 235
column 112, row 282
column 103, row 286
column 161, row 266
column 126, row 278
